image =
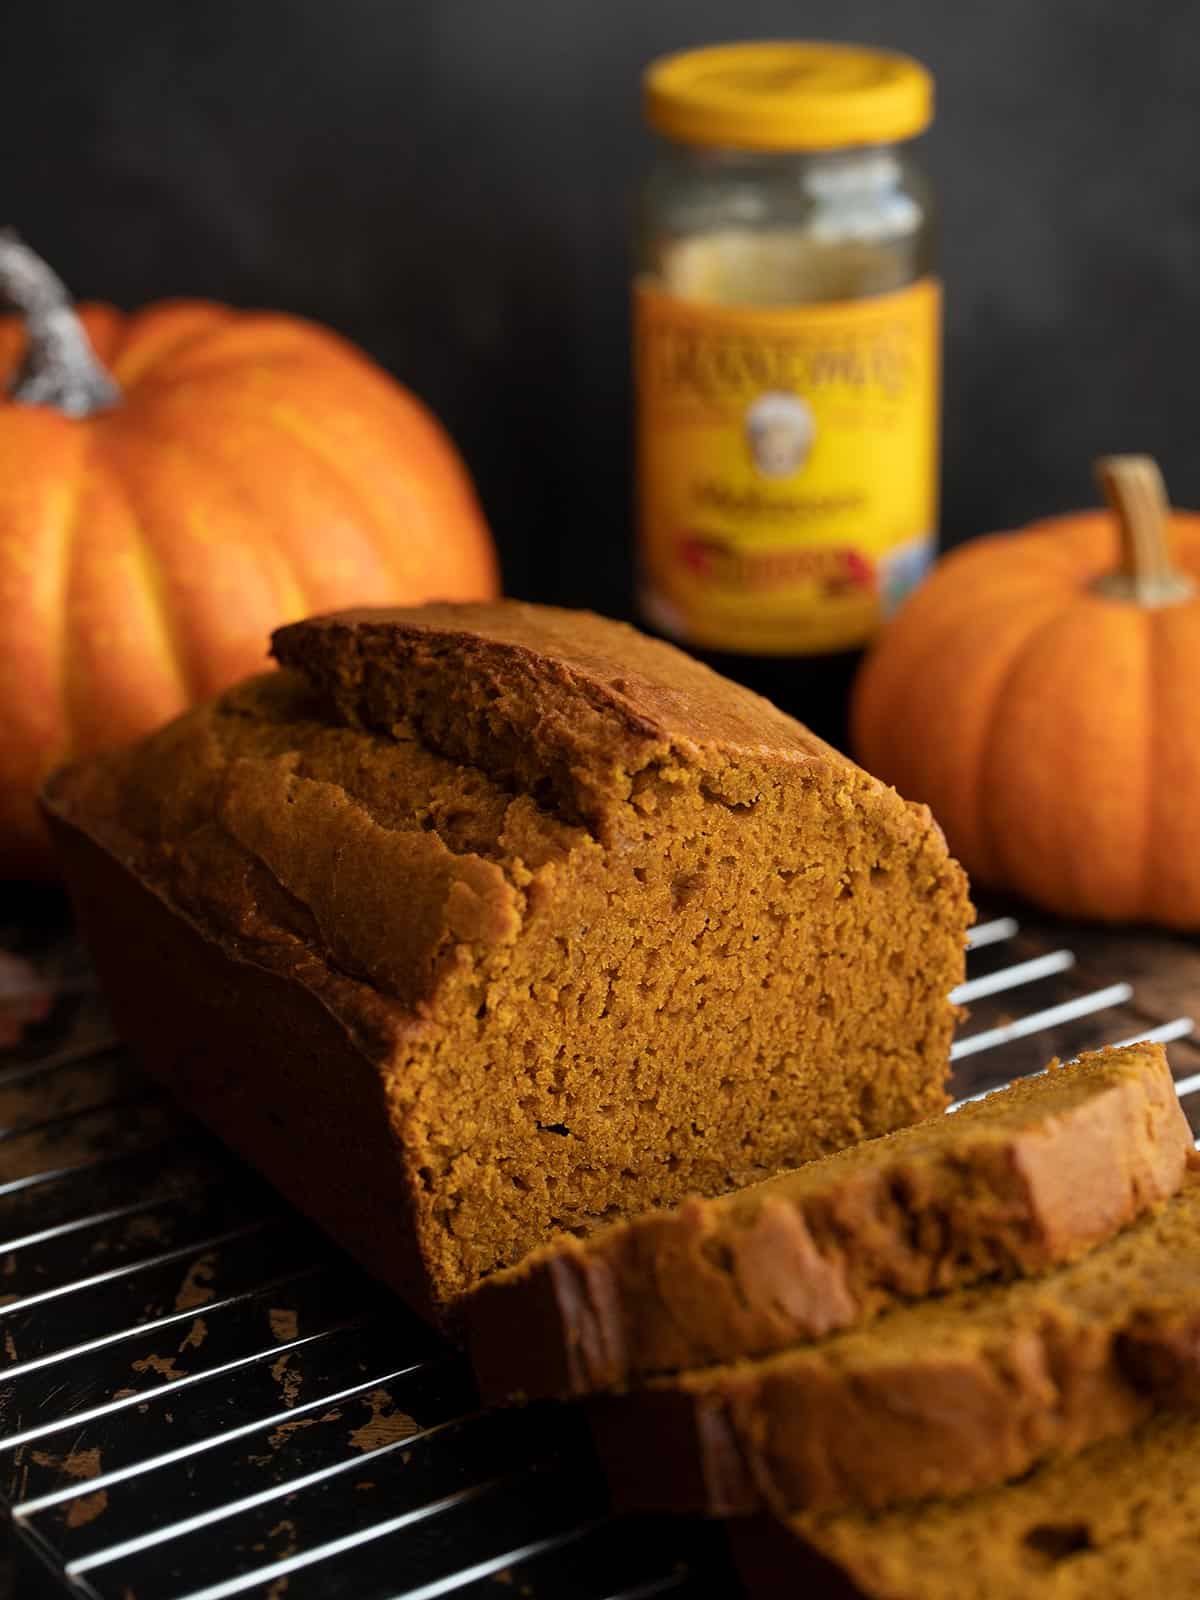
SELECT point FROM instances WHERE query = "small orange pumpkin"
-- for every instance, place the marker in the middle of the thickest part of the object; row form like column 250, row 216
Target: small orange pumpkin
column 1041, row 693
column 173, row 485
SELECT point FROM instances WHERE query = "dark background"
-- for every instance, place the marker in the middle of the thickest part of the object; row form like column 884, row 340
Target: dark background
column 450, row 182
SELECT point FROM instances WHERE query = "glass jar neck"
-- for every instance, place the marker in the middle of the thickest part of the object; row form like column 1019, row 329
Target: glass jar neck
column 845, row 159
column 735, row 155
column 837, row 177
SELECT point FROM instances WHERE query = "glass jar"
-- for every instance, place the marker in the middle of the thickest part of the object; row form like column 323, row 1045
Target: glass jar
column 787, row 335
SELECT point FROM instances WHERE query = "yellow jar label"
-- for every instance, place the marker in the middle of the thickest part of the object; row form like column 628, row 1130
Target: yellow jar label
column 787, row 466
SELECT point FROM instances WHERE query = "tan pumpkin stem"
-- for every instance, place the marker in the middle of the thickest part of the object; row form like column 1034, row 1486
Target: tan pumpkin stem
column 1133, row 487
column 60, row 368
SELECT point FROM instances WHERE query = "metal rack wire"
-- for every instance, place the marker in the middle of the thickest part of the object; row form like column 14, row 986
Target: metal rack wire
column 199, row 1399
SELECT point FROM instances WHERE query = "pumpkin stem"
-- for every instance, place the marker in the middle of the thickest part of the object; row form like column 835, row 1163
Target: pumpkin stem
column 60, row 368
column 1133, row 487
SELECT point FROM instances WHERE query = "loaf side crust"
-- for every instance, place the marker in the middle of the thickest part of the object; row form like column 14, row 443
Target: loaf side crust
column 259, row 1057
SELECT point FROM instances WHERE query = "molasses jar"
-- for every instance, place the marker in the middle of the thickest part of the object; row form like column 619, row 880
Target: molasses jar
column 787, row 340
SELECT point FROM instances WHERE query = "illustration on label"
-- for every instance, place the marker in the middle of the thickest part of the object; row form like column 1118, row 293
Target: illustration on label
column 787, row 466
column 780, row 429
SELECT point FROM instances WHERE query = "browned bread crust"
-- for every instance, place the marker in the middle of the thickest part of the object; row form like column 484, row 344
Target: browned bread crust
column 1120, row 1522
column 479, row 922
column 938, row 1398
column 1032, row 1176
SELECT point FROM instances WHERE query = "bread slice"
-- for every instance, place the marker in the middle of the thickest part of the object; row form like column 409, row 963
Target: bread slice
column 1030, row 1177
column 479, row 922
column 1120, row 1522
column 938, row 1398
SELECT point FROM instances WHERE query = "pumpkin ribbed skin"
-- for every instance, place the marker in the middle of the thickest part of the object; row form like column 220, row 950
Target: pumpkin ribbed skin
column 1054, row 733
column 257, row 470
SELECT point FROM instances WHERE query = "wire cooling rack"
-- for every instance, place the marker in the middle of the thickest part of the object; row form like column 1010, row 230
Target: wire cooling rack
column 200, row 1399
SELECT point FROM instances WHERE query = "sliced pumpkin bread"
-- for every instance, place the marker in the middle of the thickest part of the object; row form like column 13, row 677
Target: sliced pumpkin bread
column 937, row 1398
column 1032, row 1176
column 1120, row 1522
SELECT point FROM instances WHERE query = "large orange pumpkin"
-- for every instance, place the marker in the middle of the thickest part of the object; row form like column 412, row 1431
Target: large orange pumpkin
column 1041, row 693
column 173, row 485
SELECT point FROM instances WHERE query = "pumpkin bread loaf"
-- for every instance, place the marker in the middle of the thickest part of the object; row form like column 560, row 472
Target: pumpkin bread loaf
column 1120, row 1522
column 1032, row 1176
column 941, row 1397
column 480, row 922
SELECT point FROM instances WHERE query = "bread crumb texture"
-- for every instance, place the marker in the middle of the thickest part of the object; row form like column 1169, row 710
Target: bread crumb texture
column 610, row 928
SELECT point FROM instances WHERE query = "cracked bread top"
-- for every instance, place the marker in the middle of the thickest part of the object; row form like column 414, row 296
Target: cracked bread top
column 475, row 753
column 566, row 704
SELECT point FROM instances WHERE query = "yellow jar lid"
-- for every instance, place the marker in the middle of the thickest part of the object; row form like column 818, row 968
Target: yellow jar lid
column 788, row 95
